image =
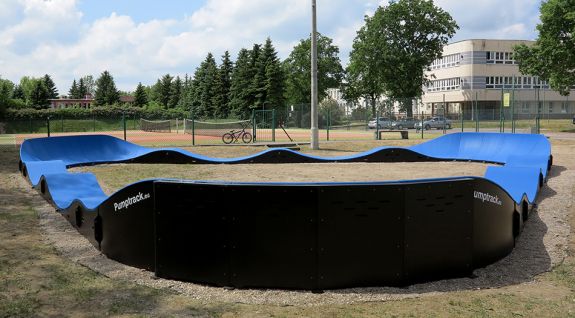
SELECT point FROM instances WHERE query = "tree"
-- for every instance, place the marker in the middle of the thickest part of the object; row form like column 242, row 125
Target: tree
column 73, row 92
column 297, row 69
column 39, row 95
column 82, row 89
column 90, row 84
column 394, row 48
column 552, row 57
column 50, row 87
column 140, row 96
column 175, row 92
column 164, row 90
column 27, row 84
column 205, row 78
column 221, row 99
column 6, row 91
column 106, row 92
column 240, row 86
column 18, row 93
column 268, row 85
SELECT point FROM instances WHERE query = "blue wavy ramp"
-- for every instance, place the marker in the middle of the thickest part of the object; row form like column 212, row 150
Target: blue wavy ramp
column 344, row 234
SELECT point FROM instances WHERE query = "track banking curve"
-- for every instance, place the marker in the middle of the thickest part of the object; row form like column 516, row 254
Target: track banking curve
column 461, row 223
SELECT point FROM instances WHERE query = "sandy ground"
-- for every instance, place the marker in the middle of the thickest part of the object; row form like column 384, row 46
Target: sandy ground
column 541, row 246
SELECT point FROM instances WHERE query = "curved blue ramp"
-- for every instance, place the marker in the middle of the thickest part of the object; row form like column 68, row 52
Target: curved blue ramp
column 451, row 225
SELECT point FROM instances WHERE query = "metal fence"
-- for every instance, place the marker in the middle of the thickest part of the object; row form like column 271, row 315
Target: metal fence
column 292, row 124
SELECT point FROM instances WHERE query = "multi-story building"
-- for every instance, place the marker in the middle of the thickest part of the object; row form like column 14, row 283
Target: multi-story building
column 484, row 71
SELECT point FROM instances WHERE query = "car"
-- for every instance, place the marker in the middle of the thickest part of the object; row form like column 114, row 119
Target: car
column 404, row 123
column 382, row 123
column 434, row 122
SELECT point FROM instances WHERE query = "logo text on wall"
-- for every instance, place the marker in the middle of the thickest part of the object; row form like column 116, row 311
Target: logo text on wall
column 486, row 197
column 131, row 200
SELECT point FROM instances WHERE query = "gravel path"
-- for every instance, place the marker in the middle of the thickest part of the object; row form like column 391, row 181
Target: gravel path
column 542, row 245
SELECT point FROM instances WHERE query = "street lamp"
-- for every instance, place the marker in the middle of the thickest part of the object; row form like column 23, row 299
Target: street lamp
column 314, row 129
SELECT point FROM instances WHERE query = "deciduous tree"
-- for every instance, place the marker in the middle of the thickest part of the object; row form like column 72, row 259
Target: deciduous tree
column 552, row 58
column 394, row 48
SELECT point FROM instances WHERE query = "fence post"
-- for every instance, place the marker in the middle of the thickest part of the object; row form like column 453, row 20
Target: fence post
column 48, row 125
column 444, row 118
column 476, row 102
column 62, row 122
column 273, row 125
column 421, row 125
column 193, row 129
column 461, row 115
column 124, row 123
column 94, row 121
column 328, row 122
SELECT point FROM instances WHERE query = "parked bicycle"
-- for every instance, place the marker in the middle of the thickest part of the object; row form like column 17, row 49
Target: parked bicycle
column 235, row 135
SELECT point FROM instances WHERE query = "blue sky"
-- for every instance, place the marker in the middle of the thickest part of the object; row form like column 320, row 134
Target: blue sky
column 139, row 41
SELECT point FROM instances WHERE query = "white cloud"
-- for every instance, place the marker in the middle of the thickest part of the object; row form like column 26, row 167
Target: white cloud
column 50, row 36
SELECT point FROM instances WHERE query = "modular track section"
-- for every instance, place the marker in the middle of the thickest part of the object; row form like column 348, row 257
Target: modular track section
column 299, row 235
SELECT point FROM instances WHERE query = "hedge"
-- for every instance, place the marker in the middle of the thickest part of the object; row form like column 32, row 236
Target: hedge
column 99, row 112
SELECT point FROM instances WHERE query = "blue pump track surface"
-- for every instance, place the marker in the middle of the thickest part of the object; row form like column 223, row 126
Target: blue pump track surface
column 524, row 159
column 335, row 235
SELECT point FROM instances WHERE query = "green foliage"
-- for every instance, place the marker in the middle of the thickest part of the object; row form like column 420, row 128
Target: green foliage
column 73, row 93
column 221, row 99
column 269, row 81
column 395, row 46
column 164, row 90
column 6, row 91
column 552, row 58
column 106, row 92
column 18, row 93
column 203, row 87
column 240, row 86
column 82, row 89
column 90, row 84
column 110, row 111
column 297, row 68
column 50, row 87
column 175, row 92
column 39, row 95
column 140, row 96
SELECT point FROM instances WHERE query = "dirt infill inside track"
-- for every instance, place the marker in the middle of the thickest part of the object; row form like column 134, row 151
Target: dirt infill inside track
column 114, row 177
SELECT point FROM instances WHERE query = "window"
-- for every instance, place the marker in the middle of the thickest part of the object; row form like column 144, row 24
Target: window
column 500, row 58
column 525, row 107
column 447, row 84
column 446, row 61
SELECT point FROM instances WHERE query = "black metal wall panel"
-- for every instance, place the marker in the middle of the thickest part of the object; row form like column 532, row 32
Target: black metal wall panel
column 438, row 230
column 360, row 236
column 492, row 222
column 274, row 236
column 128, row 228
column 192, row 232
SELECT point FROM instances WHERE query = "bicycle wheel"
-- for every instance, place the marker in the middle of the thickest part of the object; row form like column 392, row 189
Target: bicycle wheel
column 247, row 138
column 227, row 138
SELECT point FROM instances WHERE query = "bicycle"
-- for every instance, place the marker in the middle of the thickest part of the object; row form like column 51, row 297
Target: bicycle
column 235, row 135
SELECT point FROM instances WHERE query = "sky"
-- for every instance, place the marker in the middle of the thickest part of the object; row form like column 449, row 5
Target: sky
column 141, row 40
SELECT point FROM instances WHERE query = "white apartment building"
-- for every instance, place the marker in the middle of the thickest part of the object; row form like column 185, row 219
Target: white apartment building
column 483, row 70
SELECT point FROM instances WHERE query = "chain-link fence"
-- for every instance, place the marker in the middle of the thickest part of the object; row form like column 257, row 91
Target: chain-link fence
column 336, row 122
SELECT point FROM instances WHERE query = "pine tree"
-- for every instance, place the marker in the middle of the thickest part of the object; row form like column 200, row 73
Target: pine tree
column 269, row 81
column 164, row 90
column 82, row 89
column 254, row 75
column 73, row 92
column 221, row 99
column 203, row 87
column 51, row 89
column 140, row 96
column 18, row 93
column 175, row 92
column 106, row 91
column 240, row 84
column 39, row 95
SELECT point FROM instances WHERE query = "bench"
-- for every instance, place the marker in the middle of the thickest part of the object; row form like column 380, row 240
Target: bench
column 404, row 133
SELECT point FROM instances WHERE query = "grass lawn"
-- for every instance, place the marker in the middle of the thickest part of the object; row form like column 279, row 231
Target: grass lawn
column 36, row 281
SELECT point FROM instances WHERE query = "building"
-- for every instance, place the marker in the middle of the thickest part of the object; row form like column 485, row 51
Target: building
column 85, row 102
column 485, row 71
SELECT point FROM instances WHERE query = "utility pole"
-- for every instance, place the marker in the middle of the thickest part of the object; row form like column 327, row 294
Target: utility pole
column 314, row 128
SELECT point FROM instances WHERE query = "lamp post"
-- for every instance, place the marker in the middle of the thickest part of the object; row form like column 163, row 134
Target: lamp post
column 314, row 128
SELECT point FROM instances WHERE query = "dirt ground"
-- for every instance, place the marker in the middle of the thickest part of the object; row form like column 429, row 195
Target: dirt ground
column 36, row 279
